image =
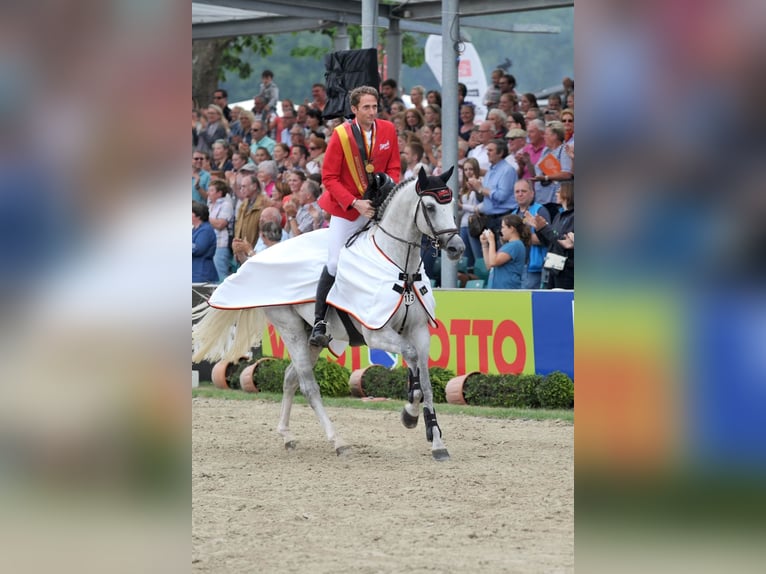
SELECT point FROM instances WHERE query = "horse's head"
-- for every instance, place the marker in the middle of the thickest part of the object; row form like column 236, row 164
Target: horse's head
column 435, row 216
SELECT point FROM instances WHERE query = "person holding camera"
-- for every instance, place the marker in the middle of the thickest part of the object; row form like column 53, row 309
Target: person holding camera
column 507, row 262
column 554, row 165
column 558, row 237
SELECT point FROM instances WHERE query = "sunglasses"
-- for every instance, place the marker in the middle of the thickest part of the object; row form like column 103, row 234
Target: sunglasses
column 198, row 158
column 568, row 121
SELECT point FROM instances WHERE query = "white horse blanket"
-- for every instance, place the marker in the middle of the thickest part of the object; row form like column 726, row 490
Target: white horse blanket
column 367, row 286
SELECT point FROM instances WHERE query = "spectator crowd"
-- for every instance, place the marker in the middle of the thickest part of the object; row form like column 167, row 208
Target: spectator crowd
column 257, row 175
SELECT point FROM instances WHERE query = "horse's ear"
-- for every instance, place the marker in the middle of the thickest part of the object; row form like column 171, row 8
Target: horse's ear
column 422, row 178
column 445, row 176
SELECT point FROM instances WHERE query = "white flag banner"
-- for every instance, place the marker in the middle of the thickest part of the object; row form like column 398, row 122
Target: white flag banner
column 470, row 71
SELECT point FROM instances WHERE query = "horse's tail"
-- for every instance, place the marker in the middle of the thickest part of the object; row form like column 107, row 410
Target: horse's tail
column 225, row 334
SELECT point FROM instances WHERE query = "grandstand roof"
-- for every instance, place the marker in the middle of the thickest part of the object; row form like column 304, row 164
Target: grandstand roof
column 223, row 18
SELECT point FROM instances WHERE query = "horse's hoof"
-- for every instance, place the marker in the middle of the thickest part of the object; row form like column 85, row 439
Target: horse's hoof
column 440, row 454
column 408, row 420
column 290, row 445
column 343, row 450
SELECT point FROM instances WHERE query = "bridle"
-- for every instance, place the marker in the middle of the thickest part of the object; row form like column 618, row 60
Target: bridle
column 434, row 234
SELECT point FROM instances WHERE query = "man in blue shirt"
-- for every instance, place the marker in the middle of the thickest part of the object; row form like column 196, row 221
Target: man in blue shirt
column 496, row 189
column 200, row 177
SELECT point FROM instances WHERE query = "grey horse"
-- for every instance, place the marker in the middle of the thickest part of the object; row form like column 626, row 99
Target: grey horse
column 416, row 207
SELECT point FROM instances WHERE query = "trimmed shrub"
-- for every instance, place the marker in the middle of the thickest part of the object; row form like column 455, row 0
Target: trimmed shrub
column 270, row 375
column 439, row 379
column 332, row 378
column 527, row 385
column 379, row 381
column 556, row 391
column 480, row 389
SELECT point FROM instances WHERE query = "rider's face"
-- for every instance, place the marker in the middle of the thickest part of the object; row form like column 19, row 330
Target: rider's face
column 366, row 111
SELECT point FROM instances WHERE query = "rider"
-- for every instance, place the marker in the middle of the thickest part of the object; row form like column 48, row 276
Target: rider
column 358, row 149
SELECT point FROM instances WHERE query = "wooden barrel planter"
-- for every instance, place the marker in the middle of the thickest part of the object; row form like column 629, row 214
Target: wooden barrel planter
column 247, row 376
column 218, row 374
column 454, row 389
column 355, row 383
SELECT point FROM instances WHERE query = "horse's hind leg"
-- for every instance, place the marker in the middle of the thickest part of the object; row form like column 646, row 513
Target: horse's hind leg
column 289, row 387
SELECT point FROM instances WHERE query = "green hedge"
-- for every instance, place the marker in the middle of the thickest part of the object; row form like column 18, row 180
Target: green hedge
column 553, row 391
column 378, row 381
column 270, row 375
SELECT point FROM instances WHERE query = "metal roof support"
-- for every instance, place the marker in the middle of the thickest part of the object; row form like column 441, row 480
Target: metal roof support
column 394, row 51
column 341, row 40
column 450, row 41
column 369, row 23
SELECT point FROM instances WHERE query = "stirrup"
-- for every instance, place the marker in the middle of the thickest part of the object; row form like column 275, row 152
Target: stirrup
column 319, row 336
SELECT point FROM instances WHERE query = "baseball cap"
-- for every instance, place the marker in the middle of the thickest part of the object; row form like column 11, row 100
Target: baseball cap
column 516, row 133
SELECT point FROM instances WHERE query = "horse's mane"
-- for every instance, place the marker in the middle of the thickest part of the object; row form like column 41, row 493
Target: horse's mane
column 390, row 197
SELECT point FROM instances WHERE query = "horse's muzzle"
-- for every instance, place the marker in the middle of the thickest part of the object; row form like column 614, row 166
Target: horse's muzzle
column 454, row 247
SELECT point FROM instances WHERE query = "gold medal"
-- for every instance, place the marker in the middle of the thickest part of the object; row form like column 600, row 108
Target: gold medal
column 369, row 168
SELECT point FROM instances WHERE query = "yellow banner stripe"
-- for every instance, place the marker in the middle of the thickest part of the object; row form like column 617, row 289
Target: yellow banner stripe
column 354, row 163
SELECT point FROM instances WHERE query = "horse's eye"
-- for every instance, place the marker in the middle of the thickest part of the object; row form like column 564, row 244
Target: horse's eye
column 431, row 207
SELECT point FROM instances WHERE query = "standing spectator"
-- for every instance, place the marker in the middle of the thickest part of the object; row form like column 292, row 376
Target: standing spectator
column 467, row 115
column 221, row 99
column 570, row 101
column 417, row 96
column 314, row 122
column 203, row 245
column 269, row 90
column 214, row 127
column 300, row 117
column 486, row 129
column 220, row 160
column 547, row 182
column 558, row 237
column 221, row 211
column 234, row 176
column 531, row 152
column 466, row 206
column 343, row 197
column 496, row 190
column 200, row 177
column 525, row 197
column 295, row 179
column 427, row 141
column 260, row 138
column 568, row 85
column 397, row 107
column 242, row 129
column 196, row 127
column 507, row 263
column 319, row 95
column 303, row 211
column 248, row 216
column 261, row 154
column 507, row 84
column 554, row 102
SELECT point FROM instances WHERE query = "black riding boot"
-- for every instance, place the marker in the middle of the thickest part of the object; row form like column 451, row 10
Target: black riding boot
column 319, row 336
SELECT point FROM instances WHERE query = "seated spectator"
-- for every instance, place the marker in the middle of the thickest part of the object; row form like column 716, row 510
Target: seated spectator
column 299, row 155
column 527, row 101
column 507, row 263
column 317, row 147
column 516, row 120
column 498, row 119
column 261, row 154
column 534, row 114
column 414, row 120
column 303, row 211
column 567, row 118
column 413, row 153
column 281, row 153
column 271, row 233
column 434, row 97
column 274, row 216
column 267, row 176
column 467, row 115
column 417, row 97
column 203, row 245
column 432, row 114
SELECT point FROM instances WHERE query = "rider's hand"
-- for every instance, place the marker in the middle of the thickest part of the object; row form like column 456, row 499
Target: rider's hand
column 364, row 207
